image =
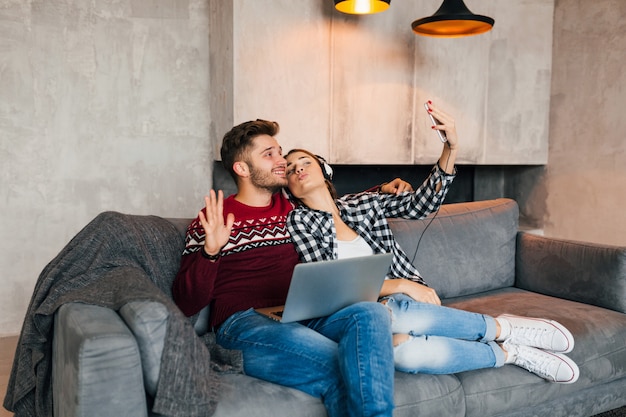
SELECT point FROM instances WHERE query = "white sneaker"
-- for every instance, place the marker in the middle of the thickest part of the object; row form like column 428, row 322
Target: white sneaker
column 540, row 333
column 554, row 367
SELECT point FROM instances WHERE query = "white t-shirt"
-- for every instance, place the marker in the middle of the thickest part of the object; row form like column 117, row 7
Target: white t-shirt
column 353, row 248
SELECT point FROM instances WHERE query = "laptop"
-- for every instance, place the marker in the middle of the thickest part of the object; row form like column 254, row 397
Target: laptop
column 319, row 289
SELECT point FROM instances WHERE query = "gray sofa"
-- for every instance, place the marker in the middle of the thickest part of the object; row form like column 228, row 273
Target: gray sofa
column 477, row 260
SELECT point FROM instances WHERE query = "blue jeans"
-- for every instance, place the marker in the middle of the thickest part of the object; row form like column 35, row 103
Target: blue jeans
column 442, row 340
column 345, row 359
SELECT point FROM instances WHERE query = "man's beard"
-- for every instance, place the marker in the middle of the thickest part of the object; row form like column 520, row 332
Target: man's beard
column 266, row 180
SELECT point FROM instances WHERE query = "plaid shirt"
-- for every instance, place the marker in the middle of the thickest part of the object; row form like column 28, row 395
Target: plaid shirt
column 314, row 235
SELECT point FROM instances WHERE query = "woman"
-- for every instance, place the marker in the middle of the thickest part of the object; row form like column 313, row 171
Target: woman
column 428, row 337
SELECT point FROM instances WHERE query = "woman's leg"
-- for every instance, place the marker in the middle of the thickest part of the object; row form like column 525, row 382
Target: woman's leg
column 444, row 355
column 439, row 340
column 417, row 319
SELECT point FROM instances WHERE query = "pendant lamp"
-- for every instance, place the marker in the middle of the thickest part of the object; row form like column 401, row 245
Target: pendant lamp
column 362, row 6
column 452, row 20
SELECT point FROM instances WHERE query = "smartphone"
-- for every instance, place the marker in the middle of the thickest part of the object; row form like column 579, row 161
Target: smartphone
column 440, row 133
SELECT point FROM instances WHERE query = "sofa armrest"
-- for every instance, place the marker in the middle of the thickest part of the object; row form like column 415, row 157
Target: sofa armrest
column 96, row 369
column 579, row 271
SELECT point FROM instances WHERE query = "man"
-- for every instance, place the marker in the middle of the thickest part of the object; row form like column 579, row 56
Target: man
column 239, row 256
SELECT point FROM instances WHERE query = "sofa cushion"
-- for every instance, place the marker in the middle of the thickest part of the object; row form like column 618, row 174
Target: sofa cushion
column 148, row 322
column 466, row 248
column 243, row 395
column 599, row 351
column 432, row 395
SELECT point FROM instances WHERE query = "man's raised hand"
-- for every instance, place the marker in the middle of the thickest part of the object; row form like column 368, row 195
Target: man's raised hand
column 212, row 219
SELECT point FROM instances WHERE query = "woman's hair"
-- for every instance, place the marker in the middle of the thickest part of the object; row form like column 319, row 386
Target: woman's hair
column 320, row 161
column 238, row 140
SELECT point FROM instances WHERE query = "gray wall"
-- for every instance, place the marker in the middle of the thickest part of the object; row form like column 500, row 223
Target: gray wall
column 582, row 195
column 105, row 106
column 352, row 88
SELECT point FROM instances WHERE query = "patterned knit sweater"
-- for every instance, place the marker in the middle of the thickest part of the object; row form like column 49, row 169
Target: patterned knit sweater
column 254, row 269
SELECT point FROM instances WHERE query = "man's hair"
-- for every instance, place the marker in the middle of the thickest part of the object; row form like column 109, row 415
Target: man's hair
column 238, row 141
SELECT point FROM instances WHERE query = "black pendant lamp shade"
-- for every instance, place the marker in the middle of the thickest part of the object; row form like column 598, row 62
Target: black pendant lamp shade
column 362, row 6
column 452, row 20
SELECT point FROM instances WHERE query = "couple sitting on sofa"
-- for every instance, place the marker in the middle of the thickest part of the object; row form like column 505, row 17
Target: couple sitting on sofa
column 346, row 359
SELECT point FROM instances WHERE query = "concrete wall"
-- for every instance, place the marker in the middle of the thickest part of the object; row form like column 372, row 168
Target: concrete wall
column 103, row 106
column 352, row 88
column 582, row 194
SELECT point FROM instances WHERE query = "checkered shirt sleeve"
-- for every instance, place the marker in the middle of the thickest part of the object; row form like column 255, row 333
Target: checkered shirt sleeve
column 312, row 234
column 423, row 201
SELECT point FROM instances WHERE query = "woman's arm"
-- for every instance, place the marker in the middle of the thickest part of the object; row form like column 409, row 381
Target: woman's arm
column 450, row 148
column 431, row 194
column 425, row 200
column 416, row 291
column 310, row 235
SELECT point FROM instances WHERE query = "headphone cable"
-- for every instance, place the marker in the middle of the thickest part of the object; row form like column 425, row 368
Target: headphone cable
column 431, row 219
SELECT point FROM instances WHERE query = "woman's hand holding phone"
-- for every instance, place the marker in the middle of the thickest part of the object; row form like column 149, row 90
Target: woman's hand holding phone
column 440, row 133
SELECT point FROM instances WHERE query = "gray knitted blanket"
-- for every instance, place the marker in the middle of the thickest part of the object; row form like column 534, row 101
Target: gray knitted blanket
column 115, row 259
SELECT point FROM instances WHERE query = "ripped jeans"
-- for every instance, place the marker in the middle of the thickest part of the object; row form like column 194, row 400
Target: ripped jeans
column 442, row 340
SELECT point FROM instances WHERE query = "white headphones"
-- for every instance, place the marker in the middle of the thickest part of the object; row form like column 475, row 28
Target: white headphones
column 326, row 169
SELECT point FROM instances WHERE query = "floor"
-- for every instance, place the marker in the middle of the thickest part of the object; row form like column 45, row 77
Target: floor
column 7, row 351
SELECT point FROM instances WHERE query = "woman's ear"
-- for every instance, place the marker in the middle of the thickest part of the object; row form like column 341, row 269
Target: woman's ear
column 241, row 169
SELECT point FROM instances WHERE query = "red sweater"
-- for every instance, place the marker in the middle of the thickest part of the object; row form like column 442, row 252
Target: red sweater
column 254, row 269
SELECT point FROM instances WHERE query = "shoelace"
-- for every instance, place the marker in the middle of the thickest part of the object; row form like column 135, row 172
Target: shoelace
column 535, row 362
column 530, row 336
